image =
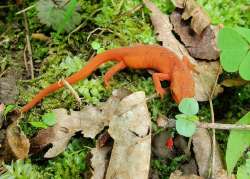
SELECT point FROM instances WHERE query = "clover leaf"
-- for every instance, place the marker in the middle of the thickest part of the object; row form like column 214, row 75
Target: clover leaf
column 234, row 44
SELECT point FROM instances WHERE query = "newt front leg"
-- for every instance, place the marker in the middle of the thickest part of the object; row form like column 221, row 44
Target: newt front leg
column 157, row 78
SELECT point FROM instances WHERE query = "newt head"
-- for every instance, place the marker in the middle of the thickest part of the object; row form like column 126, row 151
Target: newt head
column 182, row 83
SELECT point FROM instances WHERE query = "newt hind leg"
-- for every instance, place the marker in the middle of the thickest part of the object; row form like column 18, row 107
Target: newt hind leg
column 112, row 71
column 157, row 78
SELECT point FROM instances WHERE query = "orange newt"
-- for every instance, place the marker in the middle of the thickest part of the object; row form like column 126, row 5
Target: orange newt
column 165, row 62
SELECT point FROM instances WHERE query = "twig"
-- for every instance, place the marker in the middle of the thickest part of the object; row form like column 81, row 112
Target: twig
column 73, row 92
column 213, row 121
column 1, row 74
column 6, row 6
column 171, row 123
column 28, row 45
column 25, row 59
column 26, row 9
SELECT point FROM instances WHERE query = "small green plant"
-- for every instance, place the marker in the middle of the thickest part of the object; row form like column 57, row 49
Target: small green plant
column 21, row 169
column 238, row 142
column 48, row 120
column 234, row 44
column 60, row 15
column 185, row 122
column 9, row 108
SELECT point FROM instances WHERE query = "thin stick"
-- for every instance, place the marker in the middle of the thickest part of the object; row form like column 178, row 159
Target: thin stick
column 26, row 9
column 213, row 121
column 73, row 92
column 1, row 74
column 28, row 45
column 6, row 6
column 218, row 126
column 25, row 59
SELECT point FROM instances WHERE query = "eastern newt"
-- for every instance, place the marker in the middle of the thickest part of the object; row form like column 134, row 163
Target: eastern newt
column 166, row 64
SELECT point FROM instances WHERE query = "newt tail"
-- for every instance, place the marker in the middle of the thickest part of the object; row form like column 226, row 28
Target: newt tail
column 87, row 70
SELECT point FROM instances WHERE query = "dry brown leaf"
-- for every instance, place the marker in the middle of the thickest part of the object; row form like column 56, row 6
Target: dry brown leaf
column 159, row 148
column 202, row 146
column 199, row 18
column 99, row 162
column 204, row 80
column 233, row 82
column 201, row 46
column 178, row 175
column 90, row 121
column 222, row 174
column 40, row 36
column 16, row 145
column 164, row 29
column 131, row 130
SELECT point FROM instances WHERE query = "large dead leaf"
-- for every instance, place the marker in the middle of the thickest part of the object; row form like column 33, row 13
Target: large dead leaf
column 99, row 162
column 164, row 28
column 201, row 46
column 131, row 130
column 199, row 18
column 202, row 146
column 90, row 121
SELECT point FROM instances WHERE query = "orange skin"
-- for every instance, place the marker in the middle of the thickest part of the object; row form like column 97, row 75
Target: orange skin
column 165, row 62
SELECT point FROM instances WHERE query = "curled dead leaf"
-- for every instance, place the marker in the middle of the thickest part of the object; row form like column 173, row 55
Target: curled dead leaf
column 199, row 18
column 16, row 144
column 201, row 46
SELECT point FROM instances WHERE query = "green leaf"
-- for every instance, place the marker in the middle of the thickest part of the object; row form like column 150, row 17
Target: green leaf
column 49, row 119
column 231, row 59
column 189, row 106
column 60, row 17
column 244, row 32
column 233, row 49
column 185, row 127
column 38, row 124
column 244, row 69
column 229, row 39
column 244, row 170
column 95, row 45
column 238, row 142
column 9, row 108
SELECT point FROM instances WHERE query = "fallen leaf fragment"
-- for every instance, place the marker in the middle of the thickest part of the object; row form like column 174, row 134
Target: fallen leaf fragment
column 206, row 72
column 40, row 36
column 178, row 175
column 90, row 121
column 199, row 18
column 222, row 174
column 16, row 144
column 205, row 79
column 202, row 146
column 233, row 82
column 201, row 46
column 131, row 130
column 99, row 162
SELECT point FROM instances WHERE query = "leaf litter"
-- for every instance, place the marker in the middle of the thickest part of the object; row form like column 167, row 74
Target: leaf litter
column 129, row 125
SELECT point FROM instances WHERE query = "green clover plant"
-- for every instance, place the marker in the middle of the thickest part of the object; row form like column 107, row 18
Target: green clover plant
column 185, row 122
column 234, row 44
